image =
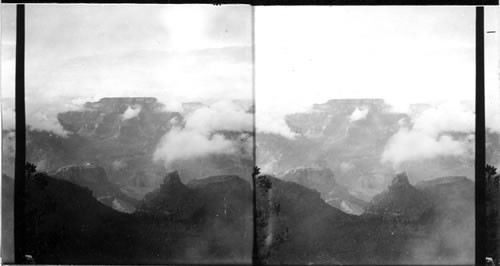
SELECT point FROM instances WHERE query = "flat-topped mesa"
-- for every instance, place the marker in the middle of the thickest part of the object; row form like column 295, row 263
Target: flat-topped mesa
column 343, row 104
column 83, row 174
column 129, row 100
column 443, row 180
column 357, row 101
column 310, row 170
column 318, row 178
column 227, row 181
column 133, row 120
column 113, row 104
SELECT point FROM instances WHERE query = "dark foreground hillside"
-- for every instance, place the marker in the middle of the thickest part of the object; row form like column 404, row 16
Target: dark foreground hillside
column 65, row 224
column 210, row 221
column 431, row 223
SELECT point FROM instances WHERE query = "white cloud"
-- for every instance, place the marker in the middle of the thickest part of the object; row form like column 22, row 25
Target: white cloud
column 118, row 165
column 43, row 116
column 222, row 115
column 180, row 144
column 346, row 166
column 131, row 112
column 44, row 122
column 431, row 135
column 401, row 54
column 449, row 116
column 271, row 112
column 8, row 119
column 409, row 145
column 201, row 135
column 144, row 51
column 358, row 114
column 274, row 123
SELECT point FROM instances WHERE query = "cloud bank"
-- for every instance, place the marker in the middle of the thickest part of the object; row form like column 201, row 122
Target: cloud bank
column 131, row 113
column 173, row 53
column 39, row 115
column 358, row 114
column 8, row 119
column 273, row 121
column 445, row 130
column 201, row 134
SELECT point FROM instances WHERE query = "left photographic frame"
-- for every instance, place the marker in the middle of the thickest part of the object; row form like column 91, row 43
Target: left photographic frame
column 139, row 134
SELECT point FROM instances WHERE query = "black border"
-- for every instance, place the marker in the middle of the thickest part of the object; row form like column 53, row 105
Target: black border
column 480, row 138
column 19, row 225
column 480, row 210
column 274, row 2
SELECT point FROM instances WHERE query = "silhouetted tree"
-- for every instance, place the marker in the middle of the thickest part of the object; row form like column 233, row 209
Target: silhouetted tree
column 492, row 211
column 30, row 169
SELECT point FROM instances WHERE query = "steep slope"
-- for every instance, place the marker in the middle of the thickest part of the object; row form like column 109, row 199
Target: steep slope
column 121, row 135
column 492, row 213
column 122, row 143
column 452, row 197
column 400, row 202
column 293, row 224
column 331, row 135
column 323, row 181
column 66, row 225
column 64, row 220
column 94, row 177
column 328, row 137
column 173, row 199
column 450, row 224
column 220, row 207
column 227, row 197
column 7, row 219
column 319, row 179
column 407, row 226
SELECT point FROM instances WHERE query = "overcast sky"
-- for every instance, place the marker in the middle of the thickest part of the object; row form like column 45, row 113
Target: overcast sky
column 177, row 53
column 304, row 55
column 307, row 55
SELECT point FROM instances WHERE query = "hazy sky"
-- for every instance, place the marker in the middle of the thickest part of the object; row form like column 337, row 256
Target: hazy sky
column 307, row 55
column 304, row 55
column 177, row 53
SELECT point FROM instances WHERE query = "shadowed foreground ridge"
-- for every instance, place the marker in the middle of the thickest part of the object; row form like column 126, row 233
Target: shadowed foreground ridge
column 209, row 220
column 66, row 224
column 431, row 223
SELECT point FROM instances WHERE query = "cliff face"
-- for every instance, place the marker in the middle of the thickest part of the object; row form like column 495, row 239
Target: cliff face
column 125, row 119
column 65, row 224
column 121, row 135
column 94, row 178
column 452, row 196
column 320, row 179
column 83, row 175
column 349, row 137
column 330, row 136
column 295, row 226
column 323, row 181
column 7, row 219
column 401, row 201
column 216, row 197
column 431, row 224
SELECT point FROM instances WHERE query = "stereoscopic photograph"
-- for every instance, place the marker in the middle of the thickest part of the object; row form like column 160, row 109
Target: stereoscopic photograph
column 365, row 134
column 206, row 134
column 139, row 133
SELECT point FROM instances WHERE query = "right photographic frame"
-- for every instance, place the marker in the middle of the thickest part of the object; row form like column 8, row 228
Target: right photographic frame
column 365, row 134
